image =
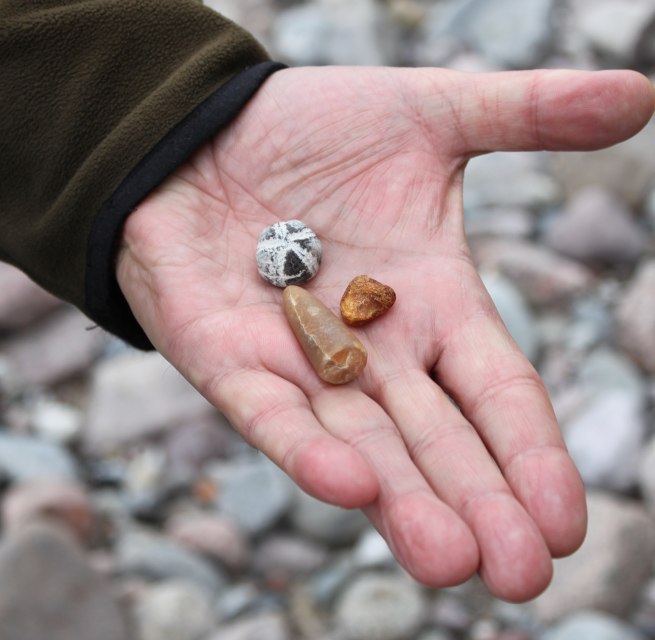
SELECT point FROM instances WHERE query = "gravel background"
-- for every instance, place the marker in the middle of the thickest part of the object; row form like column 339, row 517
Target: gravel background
column 131, row 510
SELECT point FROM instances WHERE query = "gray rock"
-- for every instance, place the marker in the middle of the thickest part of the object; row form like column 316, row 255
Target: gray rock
column 22, row 301
column 513, row 33
column 635, row 317
column 498, row 221
column 59, row 347
column 380, row 607
column 261, row 626
column 47, row 590
column 514, row 312
column 608, row 572
column 614, row 28
column 592, row 625
column 626, row 169
column 174, row 609
column 605, row 370
column 235, row 599
column 332, row 32
column 253, row 492
column 23, row 458
column 154, row 557
column 606, row 440
column 509, row 180
column 372, row 550
column 543, row 276
column 597, row 228
column 138, row 395
column 324, row 522
column 647, row 475
column 649, row 209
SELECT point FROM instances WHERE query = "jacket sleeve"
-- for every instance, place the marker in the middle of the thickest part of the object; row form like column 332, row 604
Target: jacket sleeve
column 100, row 100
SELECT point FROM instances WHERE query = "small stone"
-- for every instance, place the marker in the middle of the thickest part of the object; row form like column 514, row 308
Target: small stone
column 364, row 300
column 175, row 609
column 380, row 606
column 288, row 253
column 64, row 502
column 334, row 351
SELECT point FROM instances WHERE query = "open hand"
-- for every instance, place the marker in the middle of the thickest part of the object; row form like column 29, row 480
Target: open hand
column 372, row 160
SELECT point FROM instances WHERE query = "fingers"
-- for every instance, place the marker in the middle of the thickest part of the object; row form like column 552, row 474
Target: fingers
column 502, row 396
column 515, row 562
column 550, row 109
column 425, row 534
column 274, row 416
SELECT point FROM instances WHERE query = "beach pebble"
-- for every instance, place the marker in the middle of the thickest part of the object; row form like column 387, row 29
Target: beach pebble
column 288, row 252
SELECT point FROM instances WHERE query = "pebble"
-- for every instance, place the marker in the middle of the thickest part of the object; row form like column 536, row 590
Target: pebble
column 606, row 440
column 136, row 396
column 614, row 27
column 23, row 301
column 325, row 523
column 254, row 492
column 592, row 625
column 372, row 550
column 174, row 609
column 511, row 33
column 597, row 228
column 377, row 606
column 24, row 458
column 611, row 567
column 262, row 626
column 364, row 300
column 60, row 347
column 66, row 502
column 646, row 475
column 334, row 351
column 285, row 556
column 509, row 180
column 288, row 253
column 543, row 276
column 214, row 535
column 514, row 312
column 154, row 557
column 47, row 590
column 635, row 317
column 56, row 421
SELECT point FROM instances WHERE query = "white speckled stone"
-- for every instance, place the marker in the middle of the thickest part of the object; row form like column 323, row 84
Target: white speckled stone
column 288, row 252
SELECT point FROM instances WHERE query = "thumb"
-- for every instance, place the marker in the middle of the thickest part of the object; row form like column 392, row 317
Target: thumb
column 551, row 109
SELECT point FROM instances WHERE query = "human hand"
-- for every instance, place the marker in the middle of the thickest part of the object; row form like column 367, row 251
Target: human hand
column 372, row 160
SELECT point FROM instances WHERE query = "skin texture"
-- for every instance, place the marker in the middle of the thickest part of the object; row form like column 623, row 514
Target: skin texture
column 373, row 161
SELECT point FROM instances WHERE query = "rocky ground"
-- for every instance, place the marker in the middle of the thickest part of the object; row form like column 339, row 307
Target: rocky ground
column 131, row 510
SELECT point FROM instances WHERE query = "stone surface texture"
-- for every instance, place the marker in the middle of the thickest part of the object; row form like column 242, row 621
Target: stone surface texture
column 334, row 351
column 47, row 590
column 195, row 535
column 364, row 300
column 610, row 568
column 288, row 253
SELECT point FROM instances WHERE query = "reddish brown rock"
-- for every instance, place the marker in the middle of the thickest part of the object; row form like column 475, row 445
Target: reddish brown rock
column 335, row 352
column 364, row 300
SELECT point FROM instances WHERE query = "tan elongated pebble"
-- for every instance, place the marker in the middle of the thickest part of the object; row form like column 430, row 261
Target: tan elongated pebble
column 364, row 300
column 335, row 352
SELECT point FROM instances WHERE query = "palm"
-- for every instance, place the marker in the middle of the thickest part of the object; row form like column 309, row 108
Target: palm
column 372, row 161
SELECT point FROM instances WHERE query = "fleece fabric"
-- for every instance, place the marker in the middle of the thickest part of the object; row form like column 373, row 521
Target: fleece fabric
column 100, row 100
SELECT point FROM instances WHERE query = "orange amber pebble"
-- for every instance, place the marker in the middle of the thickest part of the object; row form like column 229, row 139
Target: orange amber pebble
column 335, row 352
column 364, row 300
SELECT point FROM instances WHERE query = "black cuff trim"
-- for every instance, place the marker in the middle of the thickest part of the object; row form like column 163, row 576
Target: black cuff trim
column 105, row 303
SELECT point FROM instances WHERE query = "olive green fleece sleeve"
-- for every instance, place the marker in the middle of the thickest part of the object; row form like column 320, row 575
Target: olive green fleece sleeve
column 88, row 91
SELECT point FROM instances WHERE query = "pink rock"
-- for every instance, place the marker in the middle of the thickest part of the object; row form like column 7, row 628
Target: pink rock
column 543, row 276
column 214, row 536
column 22, row 300
column 66, row 502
